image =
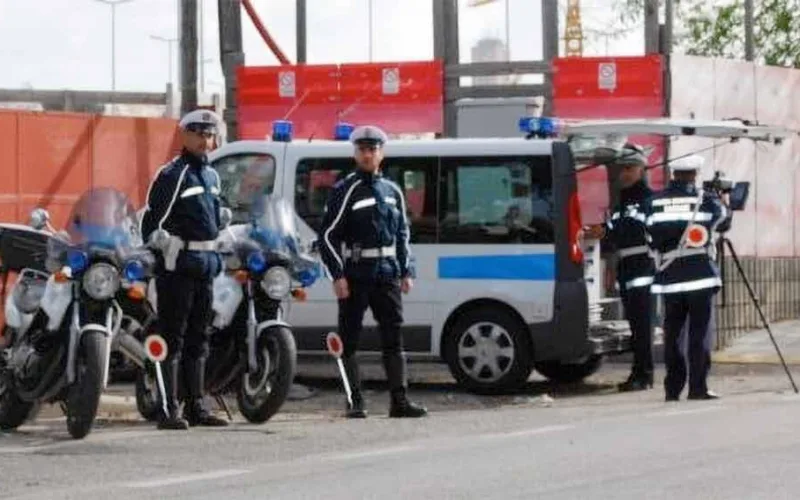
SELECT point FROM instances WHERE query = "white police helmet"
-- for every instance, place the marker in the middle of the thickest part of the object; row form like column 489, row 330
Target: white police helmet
column 201, row 120
column 368, row 134
column 691, row 163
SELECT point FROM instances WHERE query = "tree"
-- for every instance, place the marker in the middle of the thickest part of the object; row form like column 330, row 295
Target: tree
column 719, row 30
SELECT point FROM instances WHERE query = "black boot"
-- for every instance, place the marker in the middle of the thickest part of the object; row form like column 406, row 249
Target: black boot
column 195, row 410
column 636, row 383
column 357, row 408
column 172, row 420
column 400, row 406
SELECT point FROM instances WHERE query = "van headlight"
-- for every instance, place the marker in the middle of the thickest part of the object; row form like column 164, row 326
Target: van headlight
column 277, row 283
column 101, row 281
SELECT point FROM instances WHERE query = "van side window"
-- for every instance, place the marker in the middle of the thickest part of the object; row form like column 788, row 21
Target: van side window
column 243, row 177
column 417, row 178
column 314, row 180
column 496, row 200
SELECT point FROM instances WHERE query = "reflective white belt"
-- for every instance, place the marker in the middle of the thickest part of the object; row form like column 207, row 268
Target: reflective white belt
column 373, row 253
column 202, row 246
column 630, row 251
column 686, row 252
column 639, row 282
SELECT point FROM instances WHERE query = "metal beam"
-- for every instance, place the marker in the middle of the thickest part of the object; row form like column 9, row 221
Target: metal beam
column 497, row 68
column 549, row 49
column 496, row 91
column 188, row 53
column 231, row 56
column 445, row 49
column 83, row 96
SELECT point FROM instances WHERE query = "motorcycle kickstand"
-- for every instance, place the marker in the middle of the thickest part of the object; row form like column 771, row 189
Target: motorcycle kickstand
column 63, row 406
column 224, row 405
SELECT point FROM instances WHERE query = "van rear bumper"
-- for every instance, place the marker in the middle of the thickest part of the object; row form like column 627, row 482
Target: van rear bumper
column 609, row 337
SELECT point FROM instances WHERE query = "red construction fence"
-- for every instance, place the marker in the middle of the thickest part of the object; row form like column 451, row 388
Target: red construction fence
column 401, row 98
column 49, row 159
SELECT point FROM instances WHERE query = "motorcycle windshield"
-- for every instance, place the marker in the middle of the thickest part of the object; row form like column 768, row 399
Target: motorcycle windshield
column 104, row 218
column 274, row 228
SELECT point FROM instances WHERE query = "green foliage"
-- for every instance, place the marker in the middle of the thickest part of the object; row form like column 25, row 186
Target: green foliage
column 717, row 29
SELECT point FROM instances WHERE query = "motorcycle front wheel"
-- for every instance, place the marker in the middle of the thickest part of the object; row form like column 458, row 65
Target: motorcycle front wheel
column 83, row 397
column 13, row 410
column 262, row 394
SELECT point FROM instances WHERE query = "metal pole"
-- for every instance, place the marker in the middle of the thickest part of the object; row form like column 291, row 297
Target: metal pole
column 749, row 47
column 113, row 47
column 301, row 14
column 202, row 59
column 369, row 13
column 669, row 11
column 170, row 42
column 508, row 31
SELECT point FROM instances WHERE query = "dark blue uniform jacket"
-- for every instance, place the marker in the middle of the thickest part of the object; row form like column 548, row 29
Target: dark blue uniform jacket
column 184, row 200
column 668, row 214
column 627, row 232
column 368, row 212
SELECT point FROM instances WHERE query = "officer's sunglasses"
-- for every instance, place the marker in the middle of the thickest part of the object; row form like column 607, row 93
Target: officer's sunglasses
column 205, row 132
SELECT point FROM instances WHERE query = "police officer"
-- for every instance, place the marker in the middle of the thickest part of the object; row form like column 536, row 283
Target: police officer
column 183, row 218
column 626, row 231
column 681, row 222
column 365, row 246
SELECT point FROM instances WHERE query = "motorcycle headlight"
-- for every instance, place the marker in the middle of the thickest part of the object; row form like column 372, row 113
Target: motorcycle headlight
column 101, row 281
column 277, row 283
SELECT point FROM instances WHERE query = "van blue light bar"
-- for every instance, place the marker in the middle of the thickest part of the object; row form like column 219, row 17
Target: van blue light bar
column 540, row 127
column 282, row 131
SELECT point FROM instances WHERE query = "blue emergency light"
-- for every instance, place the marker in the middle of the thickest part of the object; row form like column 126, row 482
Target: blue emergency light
column 77, row 260
column 342, row 131
column 539, row 127
column 282, row 131
column 134, row 271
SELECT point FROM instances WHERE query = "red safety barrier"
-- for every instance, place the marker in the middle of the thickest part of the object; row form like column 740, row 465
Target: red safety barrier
column 616, row 87
column 399, row 97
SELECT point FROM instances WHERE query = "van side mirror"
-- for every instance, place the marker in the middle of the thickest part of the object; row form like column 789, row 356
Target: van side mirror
column 39, row 218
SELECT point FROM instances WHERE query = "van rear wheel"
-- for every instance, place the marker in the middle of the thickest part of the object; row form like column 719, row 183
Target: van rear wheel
column 488, row 351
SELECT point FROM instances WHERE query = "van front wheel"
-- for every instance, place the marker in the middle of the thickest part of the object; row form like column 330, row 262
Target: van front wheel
column 488, row 351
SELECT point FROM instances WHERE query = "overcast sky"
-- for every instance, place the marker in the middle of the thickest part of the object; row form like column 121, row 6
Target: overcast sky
column 56, row 44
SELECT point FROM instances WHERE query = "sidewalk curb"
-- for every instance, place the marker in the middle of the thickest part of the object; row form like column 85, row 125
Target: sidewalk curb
column 113, row 404
column 752, row 359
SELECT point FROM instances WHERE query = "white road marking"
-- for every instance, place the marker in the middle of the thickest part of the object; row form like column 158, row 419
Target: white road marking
column 187, row 478
column 527, row 432
column 367, row 453
column 674, row 413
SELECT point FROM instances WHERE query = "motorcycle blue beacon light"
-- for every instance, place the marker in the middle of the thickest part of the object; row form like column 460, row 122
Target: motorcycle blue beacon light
column 134, row 271
column 539, row 127
column 282, row 131
column 256, row 263
column 77, row 260
column 342, row 131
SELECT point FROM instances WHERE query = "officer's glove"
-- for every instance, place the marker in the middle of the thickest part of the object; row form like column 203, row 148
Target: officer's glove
column 225, row 217
column 160, row 239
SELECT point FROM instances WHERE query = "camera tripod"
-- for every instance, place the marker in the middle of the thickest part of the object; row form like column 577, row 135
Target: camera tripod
column 722, row 243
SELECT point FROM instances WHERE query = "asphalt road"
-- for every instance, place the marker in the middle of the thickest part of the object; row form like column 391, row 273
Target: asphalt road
column 592, row 445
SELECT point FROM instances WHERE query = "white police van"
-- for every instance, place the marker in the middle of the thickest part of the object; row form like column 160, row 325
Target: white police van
column 503, row 286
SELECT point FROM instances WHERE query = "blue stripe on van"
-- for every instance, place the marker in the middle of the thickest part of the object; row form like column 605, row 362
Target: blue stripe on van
column 531, row 267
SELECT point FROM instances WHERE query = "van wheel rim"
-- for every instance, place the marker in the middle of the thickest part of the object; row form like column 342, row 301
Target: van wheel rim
column 486, row 352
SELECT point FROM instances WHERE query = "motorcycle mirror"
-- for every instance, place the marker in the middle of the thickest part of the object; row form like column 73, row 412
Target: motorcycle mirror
column 39, row 218
column 225, row 217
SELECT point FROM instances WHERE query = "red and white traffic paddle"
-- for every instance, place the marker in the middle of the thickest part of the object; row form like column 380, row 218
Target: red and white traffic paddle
column 697, row 236
column 336, row 348
column 156, row 348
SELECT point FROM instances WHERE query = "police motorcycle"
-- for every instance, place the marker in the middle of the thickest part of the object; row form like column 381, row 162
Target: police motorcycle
column 65, row 320
column 252, row 349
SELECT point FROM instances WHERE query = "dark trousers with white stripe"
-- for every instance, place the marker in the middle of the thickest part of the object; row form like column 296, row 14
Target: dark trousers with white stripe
column 697, row 307
column 639, row 308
